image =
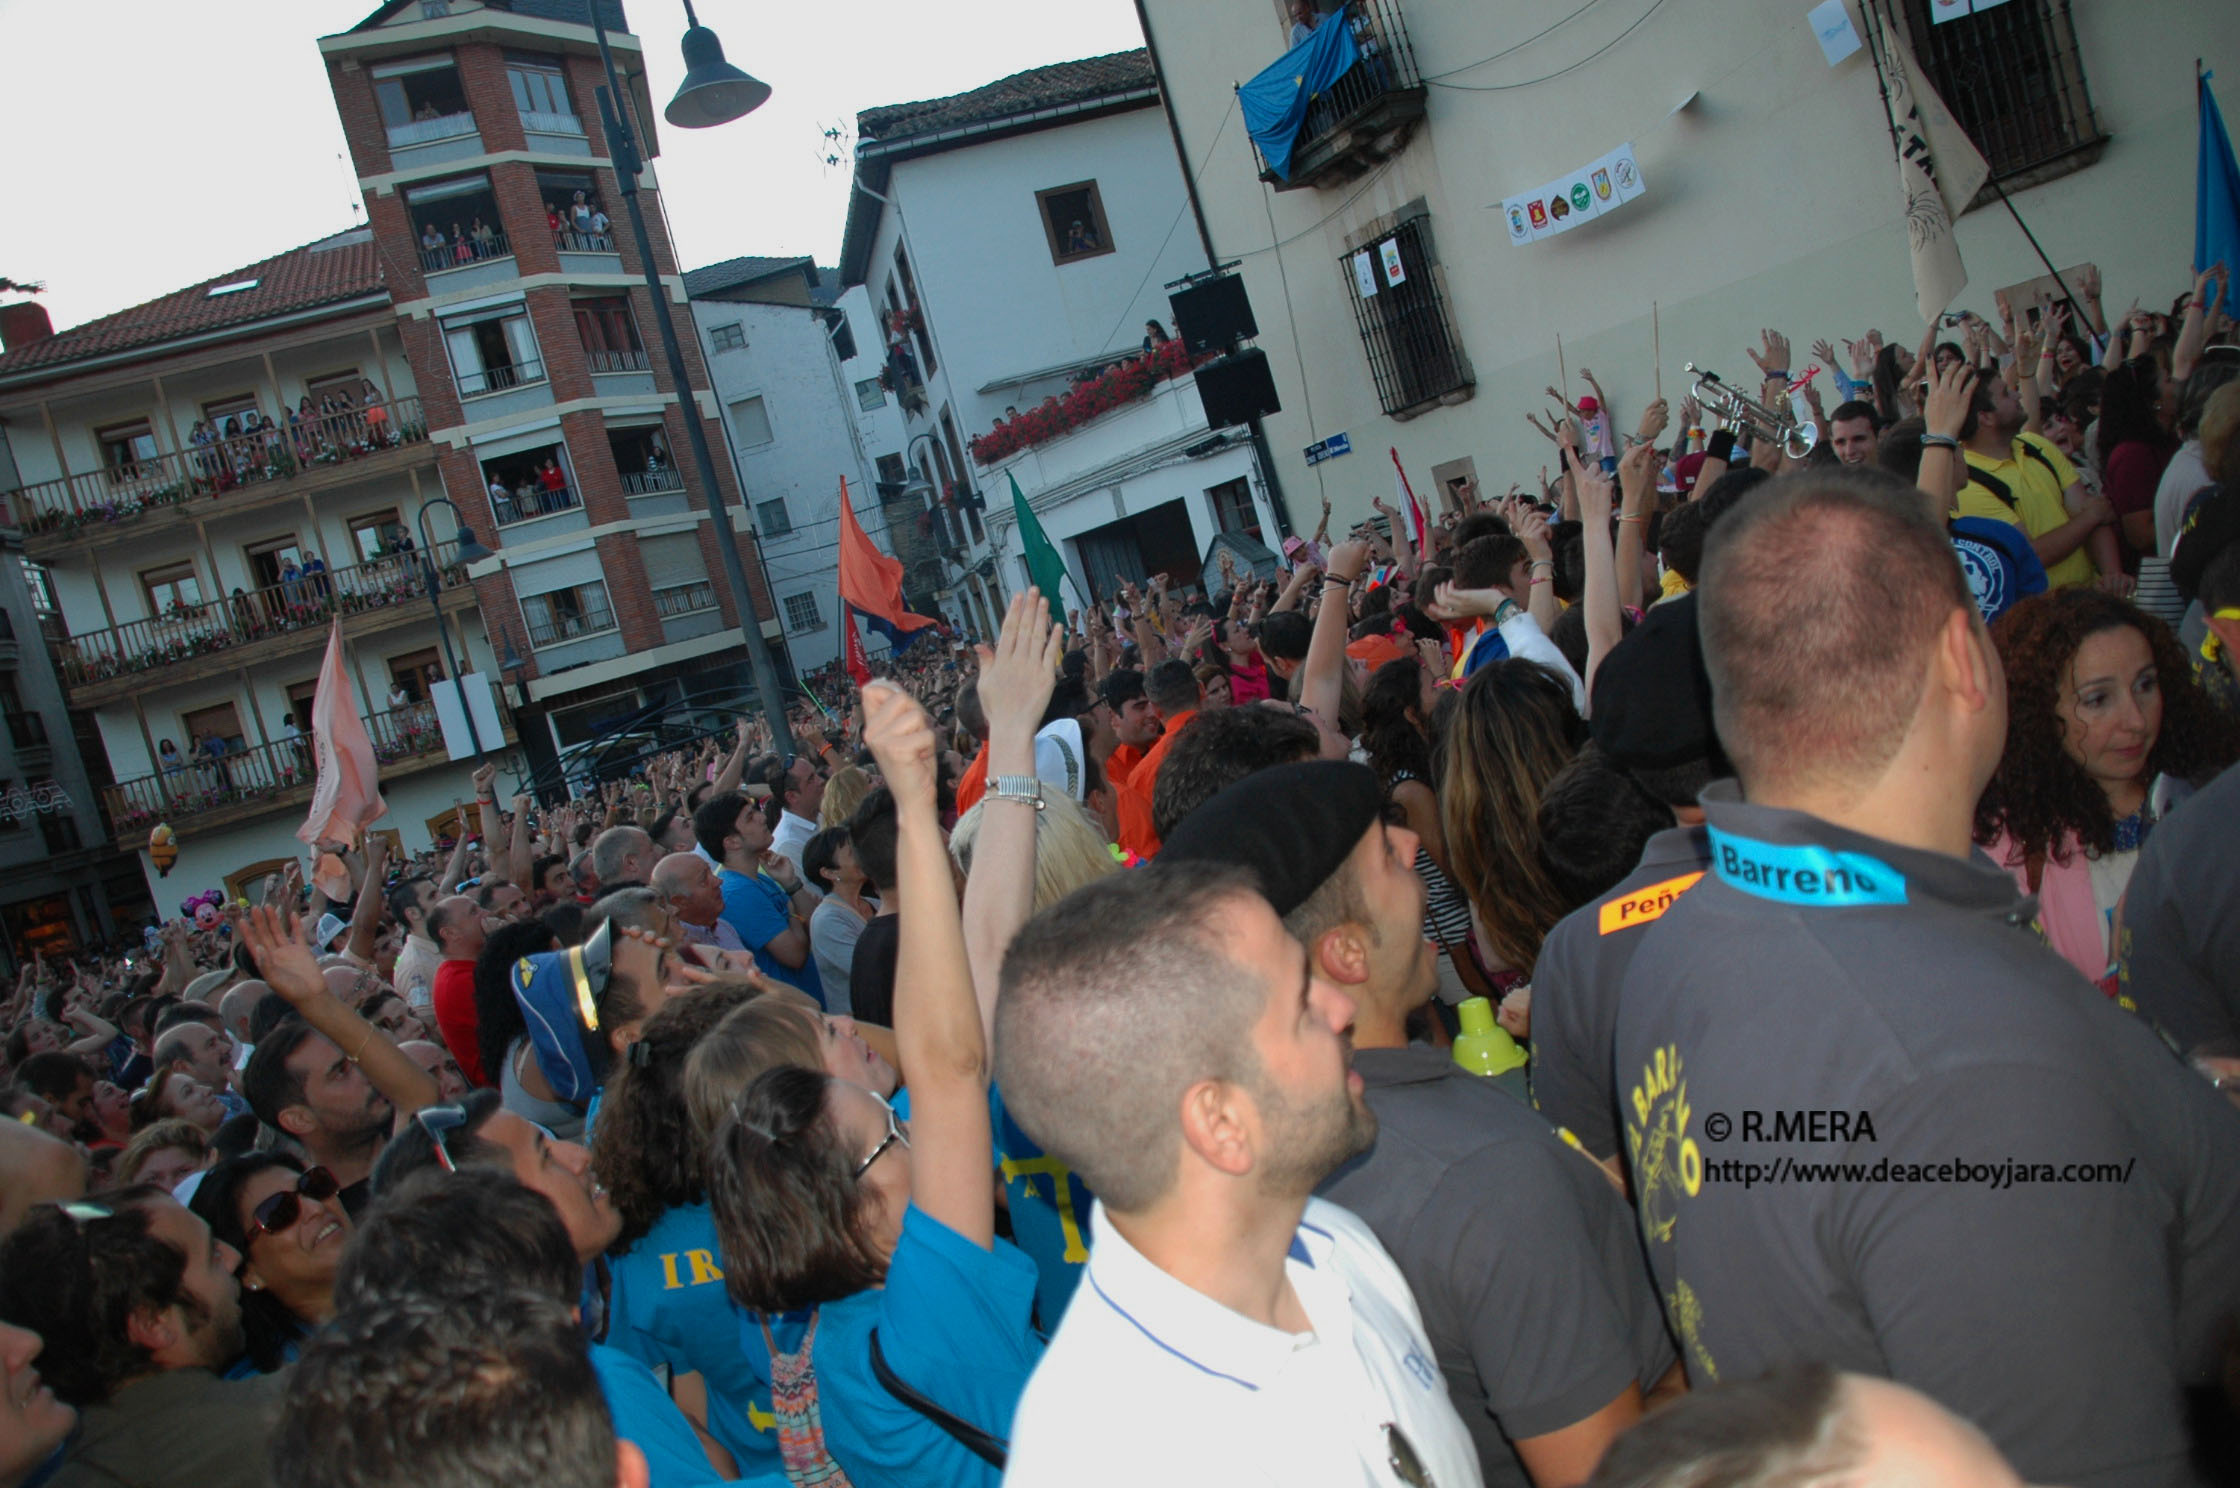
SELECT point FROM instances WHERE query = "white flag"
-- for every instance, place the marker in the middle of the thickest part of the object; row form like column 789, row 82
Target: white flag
column 1939, row 172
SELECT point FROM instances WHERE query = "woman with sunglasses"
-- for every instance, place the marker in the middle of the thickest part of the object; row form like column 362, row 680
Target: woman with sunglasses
column 288, row 1223
column 918, row 1339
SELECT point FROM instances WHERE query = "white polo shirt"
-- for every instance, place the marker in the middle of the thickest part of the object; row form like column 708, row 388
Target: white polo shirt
column 1149, row 1381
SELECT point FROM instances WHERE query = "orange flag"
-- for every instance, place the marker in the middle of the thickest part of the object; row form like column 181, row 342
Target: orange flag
column 869, row 579
column 348, row 796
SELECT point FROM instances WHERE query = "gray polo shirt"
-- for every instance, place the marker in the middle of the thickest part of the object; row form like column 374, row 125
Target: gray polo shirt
column 1522, row 1256
column 2179, row 954
column 1816, row 972
column 1575, row 985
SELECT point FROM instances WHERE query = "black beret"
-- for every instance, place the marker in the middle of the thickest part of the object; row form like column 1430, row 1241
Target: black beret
column 1292, row 825
column 1652, row 694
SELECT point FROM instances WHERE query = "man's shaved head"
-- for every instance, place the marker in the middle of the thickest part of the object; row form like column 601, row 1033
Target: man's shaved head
column 35, row 1168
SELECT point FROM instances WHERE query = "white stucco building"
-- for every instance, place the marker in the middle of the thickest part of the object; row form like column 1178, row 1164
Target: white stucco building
column 1011, row 238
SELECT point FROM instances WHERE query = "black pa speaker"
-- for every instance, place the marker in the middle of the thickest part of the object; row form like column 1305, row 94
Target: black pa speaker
column 1237, row 389
column 1213, row 315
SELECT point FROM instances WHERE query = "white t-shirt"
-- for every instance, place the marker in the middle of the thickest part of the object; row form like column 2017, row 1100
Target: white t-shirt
column 2181, row 478
column 1149, row 1381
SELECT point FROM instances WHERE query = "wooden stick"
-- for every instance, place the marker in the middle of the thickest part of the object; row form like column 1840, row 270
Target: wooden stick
column 1656, row 348
column 1563, row 378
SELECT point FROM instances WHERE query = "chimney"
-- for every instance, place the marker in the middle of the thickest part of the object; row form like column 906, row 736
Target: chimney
column 23, row 323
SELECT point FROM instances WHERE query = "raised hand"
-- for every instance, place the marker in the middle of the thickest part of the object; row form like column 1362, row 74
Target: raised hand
column 2088, row 282
column 1018, row 674
column 1824, row 354
column 1775, row 357
column 901, row 739
column 1653, row 421
column 282, row 950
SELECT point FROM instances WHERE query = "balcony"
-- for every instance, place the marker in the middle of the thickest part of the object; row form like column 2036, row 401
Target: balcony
column 500, row 379
column 528, row 505
column 559, row 629
column 617, row 361
column 1364, row 117
column 437, row 258
column 684, row 599
column 652, row 481
column 173, row 489
column 429, row 130
column 263, row 779
column 197, row 641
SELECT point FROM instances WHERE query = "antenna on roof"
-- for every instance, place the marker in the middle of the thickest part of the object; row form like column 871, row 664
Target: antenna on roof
column 357, row 201
column 836, row 146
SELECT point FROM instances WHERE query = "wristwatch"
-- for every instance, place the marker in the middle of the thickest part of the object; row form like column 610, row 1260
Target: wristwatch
column 1026, row 788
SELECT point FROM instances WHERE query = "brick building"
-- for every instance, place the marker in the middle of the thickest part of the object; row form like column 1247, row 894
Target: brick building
column 522, row 311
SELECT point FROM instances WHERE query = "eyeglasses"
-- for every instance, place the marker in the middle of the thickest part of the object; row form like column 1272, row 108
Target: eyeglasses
column 896, row 1132
column 439, row 1122
column 279, row 1214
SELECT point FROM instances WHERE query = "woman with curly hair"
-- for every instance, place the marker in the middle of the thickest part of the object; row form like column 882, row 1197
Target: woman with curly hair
column 2106, row 731
column 666, row 1304
column 1515, row 728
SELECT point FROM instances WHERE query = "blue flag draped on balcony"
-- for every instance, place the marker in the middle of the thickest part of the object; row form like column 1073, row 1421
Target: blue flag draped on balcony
column 2216, row 202
column 1275, row 102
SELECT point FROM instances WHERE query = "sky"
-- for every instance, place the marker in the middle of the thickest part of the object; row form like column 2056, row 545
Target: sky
column 157, row 143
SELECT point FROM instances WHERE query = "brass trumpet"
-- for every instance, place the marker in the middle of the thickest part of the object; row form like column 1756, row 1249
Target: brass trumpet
column 1738, row 410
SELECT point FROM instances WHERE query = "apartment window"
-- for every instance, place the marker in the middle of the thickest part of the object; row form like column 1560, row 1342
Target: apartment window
column 642, row 459
column 572, row 199
column 267, row 558
column 493, row 351
column 413, row 675
column 172, row 587
column 1233, row 510
column 771, row 519
column 376, row 534
column 567, row 614
column 59, row 831
column 2013, row 77
column 609, row 333
column 540, row 92
column 222, row 721
column 728, row 337
column 456, row 223
column 219, row 412
column 421, row 100
column 802, row 614
column 1073, row 222
column 125, row 447
column 869, row 395
column 1414, row 355
column 530, row 483
column 750, row 423
column 684, row 599
column 843, row 335
column 922, row 328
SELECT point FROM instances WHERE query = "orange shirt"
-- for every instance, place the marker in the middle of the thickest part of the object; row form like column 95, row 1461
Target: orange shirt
column 1134, row 812
column 1122, row 763
column 973, row 784
column 1145, row 776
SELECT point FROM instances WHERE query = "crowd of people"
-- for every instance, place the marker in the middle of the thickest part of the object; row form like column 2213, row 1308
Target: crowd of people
column 1713, row 969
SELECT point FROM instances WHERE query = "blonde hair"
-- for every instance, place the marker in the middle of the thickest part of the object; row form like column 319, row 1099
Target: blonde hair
column 1069, row 849
column 773, row 1029
column 161, row 1136
column 843, row 793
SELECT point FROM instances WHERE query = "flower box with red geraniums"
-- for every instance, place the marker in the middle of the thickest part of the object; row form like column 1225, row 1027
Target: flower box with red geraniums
column 1130, row 382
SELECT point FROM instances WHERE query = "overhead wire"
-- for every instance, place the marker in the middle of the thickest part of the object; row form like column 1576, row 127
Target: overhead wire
column 1654, row 7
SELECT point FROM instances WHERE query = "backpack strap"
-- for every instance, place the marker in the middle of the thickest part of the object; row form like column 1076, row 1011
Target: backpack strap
column 2039, row 455
column 993, row 1450
column 1995, row 486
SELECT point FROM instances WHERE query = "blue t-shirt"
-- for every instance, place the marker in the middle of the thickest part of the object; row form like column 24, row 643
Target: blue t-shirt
column 761, row 911
column 666, row 1305
column 953, row 1325
column 646, row 1416
column 1049, row 1212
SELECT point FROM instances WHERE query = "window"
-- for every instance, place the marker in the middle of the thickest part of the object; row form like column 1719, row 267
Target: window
column 567, row 614
column 172, row 587
column 421, row 101
column 60, row 832
column 376, row 534
column 573, row 211
column 641, row 458
column 1073, row 221
column 802, row 614
column 414, row 674
column 750, row 423
column 728, row 338
column 869, row 395
column 893, row 476
column 456, row 223
column 1233, row 510
column 684, row 599
column 220, row 722
column 493, row 352
column 2012, row 76
column 219, row 412
column 1414, row 357
column 125, row 447
column 771, row 519
column 529, row 483
column 609, row 333
column 540, row 92
column 921, row 329
column 843, row 335
column 266, row 558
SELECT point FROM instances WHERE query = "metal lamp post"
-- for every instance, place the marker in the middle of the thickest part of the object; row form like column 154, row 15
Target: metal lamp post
column 714, row 92
column 470, row 551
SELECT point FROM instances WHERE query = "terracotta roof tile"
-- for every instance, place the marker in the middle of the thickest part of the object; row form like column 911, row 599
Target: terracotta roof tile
column 1022, row 93
column 342, row 267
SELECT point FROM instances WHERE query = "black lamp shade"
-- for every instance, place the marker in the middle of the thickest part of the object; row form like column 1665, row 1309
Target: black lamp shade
column 713, row 92
column 470, row 551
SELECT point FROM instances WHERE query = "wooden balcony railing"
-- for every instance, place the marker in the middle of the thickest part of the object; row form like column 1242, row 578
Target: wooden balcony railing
column 247, row 616
column 199, row 783
column 214, row 467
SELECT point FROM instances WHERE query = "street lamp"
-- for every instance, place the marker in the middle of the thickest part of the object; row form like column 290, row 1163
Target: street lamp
column 714, row 92
column 470, row 551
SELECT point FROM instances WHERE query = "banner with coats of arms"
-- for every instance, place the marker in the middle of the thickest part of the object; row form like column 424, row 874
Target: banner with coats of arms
column 1585, row 194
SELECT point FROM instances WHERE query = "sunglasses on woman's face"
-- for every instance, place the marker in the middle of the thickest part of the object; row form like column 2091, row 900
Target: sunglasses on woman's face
column 280, row 1213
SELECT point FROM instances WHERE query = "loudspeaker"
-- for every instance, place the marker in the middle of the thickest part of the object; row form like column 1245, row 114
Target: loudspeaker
column 1237, row 389
column 1213, row 315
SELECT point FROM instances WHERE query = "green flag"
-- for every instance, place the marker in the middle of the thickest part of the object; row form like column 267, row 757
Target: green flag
column 1043, row 562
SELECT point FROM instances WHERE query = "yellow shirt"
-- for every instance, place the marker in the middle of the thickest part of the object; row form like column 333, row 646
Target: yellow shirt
column 2037, row 505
